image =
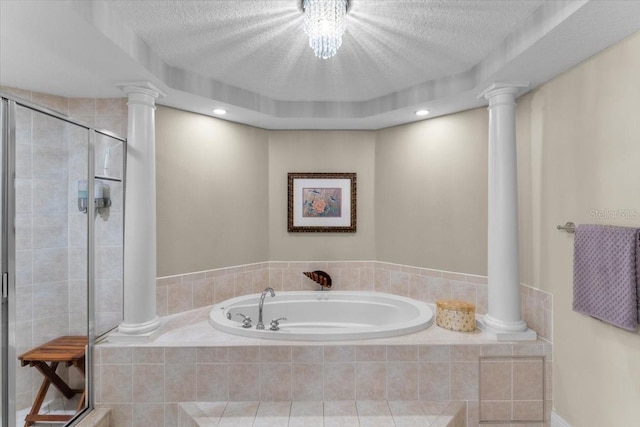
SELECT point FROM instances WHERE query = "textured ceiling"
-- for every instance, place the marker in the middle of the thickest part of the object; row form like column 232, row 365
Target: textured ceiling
column 260, row 46
column 251, row 57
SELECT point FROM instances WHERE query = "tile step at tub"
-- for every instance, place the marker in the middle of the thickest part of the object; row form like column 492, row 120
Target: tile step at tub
column 327, row 413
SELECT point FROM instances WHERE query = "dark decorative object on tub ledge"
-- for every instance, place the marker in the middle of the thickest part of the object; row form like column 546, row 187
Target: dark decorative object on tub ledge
column 320, row 277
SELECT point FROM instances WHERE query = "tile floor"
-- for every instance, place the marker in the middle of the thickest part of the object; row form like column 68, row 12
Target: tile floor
column 323, row 414
column 54, row 407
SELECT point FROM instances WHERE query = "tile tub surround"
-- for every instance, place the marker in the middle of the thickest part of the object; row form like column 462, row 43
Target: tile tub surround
column 143, row 385
column 180, row 293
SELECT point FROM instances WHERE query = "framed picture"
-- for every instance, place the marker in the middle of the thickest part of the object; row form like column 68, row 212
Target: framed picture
column 321, row 202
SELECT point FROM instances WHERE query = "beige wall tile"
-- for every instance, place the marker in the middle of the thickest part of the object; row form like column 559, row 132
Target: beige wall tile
column 180, row 383
column 371, row 378
column 116, row 383
column 464, row 380
column 275, row 381
column 245, row 382
column 148, row 383
column 213, row 382
column 307, row 381
column 403, row 381
column 339, row 381
column 434, row 382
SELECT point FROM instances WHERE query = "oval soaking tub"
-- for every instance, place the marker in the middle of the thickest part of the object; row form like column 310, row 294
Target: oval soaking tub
column 324, row 316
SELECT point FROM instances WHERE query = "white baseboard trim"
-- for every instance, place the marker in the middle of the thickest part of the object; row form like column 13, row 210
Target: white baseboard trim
column 558, row 421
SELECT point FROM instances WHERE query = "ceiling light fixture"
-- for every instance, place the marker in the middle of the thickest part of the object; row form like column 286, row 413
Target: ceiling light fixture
column 324, row 24
column 219, row 111
column 422, row 112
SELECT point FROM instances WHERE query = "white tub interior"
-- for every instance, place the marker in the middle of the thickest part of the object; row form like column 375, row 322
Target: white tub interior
column 324, row 316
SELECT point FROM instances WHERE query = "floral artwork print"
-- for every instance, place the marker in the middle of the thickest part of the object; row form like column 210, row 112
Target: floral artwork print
column 322, row 202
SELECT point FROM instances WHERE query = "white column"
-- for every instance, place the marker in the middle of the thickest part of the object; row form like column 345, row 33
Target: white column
column 140, row 318
column 504, row 318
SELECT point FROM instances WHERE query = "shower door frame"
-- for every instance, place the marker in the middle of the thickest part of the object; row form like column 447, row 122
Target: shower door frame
column 8, row 107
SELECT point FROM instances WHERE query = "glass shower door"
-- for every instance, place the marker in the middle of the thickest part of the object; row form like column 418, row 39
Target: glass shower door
column 4, row 268
column 51, row 256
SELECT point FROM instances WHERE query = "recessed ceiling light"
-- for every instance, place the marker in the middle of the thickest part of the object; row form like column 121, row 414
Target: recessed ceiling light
column 219, row 111
column 422, row 112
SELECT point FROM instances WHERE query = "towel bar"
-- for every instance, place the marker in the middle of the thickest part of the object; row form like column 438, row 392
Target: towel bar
column 569, row 227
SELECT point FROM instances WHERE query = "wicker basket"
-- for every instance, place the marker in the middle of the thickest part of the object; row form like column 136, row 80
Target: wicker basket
column 456, row 315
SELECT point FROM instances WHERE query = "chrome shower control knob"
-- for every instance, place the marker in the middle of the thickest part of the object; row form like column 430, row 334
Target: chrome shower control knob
column 275, row 323
column 246, row 322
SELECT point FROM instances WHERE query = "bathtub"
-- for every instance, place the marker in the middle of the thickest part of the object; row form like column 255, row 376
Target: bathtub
column 324, row 315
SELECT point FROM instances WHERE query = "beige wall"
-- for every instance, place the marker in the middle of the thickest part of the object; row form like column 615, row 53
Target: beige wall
column 431, row 193
column 321, row 151
column 579, row 148
column 212, row 193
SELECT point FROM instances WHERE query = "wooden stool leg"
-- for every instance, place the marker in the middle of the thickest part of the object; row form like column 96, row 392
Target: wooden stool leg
column 42, row 392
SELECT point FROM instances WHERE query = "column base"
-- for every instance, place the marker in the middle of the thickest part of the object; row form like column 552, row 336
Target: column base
column 503, row 331
column 142, row 332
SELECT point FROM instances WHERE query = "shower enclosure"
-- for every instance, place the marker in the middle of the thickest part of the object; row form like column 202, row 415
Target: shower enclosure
column 62, row 194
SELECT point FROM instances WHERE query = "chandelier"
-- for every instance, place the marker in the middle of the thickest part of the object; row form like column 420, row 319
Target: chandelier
column 324, row 24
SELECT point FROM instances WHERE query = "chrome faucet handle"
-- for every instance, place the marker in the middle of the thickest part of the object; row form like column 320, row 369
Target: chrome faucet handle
column 275, row 324
column 246, row 322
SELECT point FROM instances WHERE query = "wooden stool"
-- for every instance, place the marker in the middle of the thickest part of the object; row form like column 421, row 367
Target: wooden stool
column 68, row 350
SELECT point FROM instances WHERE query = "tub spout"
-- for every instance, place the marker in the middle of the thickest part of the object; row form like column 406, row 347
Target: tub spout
column 260, row 324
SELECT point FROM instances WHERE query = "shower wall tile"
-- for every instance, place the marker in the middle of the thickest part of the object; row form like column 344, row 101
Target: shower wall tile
column 82, row 107
column 77, row 230
column 20, row 93
column 54, row 102
column 48, row 328
column 24, row 270
column 109, row 262
column 109, row 230
column 50, row 231
column 23, row 196
column 78, row 295
column 109, row 295
column 24, row 162
column 50, row 265
column 50, row 299
column 24, row 304
column 78, row 263
column 50, row 197
column 50, row 162
column 23, row 231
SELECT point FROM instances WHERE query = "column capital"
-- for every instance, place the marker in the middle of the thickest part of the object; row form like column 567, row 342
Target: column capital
column 502, row 88
column 141, row 87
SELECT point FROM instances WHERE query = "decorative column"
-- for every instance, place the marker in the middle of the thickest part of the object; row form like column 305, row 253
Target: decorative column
column 504, row 318
column 140, row 318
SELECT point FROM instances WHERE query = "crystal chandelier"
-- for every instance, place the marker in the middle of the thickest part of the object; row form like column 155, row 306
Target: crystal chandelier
column 324, row 24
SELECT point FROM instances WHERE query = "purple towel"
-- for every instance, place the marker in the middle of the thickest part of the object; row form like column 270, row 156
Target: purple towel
column 606, row 274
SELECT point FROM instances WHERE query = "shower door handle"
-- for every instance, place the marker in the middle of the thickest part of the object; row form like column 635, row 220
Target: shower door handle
column 5, row 286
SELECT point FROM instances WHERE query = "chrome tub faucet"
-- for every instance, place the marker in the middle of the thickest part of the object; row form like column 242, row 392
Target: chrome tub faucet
column 260, row 324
